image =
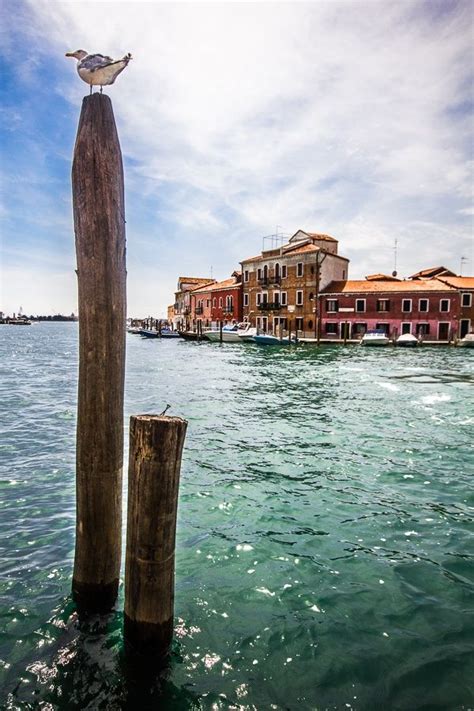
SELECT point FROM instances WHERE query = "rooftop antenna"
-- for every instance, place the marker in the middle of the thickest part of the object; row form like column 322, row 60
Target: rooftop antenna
column 211, row 272
column 395, row 254
column 276, row 240
column 463, row 261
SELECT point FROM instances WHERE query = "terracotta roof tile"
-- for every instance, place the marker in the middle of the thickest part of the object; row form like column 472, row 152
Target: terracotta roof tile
column 364, row 286
column 316, row 235
column 458, row 282
column 215, row 286
column 194, row 280
column 432, row 272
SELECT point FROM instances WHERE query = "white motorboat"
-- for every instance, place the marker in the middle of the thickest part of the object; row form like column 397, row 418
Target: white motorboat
column 407, row 340
column 229, row 334
column 376, row 337
column 246, row 332
column 467, row 341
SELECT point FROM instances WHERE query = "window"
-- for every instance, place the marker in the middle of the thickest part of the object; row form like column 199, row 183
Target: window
column 259, row 273
column 214, row 302
column 332, row 305
column 422, row 329
column 299, row 298
column 383, row 305
column 220, row 302
column 360, row 305
column 283, row 300
column 277, row 271
column 246, row 275
column 299, row 269
column 264, row 297
column 360, row 329
column 283, row 271
column 259, row 299
column 229, row 302
column 444, row 305
column 423, row 305
column 343, row 273
column 406, row 328
column 299, row 324
column 383, row 327
column 208, row 303
column 246, row 299
column 466, row 300
column 331, row 329
column 276, row 297
column 406, row 306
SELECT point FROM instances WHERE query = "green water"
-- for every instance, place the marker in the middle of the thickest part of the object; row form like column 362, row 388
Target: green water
column 325, row 541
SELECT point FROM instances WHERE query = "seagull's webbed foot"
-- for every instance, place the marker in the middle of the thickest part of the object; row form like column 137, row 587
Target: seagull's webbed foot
column 90, row 92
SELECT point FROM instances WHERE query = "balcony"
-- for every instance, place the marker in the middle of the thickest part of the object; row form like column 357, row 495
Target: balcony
column 269, row 279
column 198, row 310
column 270, row 306
column 228, row 309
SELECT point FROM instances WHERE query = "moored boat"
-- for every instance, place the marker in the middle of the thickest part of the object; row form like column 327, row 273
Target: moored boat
column 246, row 332
column 375, row 337
column 168, row 333
column 266, row 339
column 149, row 333
column 189, row 335
column 229, row 334
column 407, row 340
column 467, row 341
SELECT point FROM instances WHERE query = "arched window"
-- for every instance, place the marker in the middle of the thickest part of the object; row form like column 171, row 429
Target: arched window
column 214, row 302
column 220, row 302
column 277, row 271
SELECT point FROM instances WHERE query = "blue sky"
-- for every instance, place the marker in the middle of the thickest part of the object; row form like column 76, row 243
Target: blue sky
column 350, row 118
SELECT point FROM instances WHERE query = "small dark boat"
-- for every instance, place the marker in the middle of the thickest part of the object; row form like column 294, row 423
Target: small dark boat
column 149, row 333
column 190, row 335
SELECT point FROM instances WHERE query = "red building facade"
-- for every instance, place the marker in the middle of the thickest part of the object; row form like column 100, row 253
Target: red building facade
column 221, row 301
column 429, row 309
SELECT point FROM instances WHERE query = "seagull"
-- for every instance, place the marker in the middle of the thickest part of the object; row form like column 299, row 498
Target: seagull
column 97, row 70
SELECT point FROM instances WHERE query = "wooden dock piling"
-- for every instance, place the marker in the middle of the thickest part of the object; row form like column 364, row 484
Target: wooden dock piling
column 156, row 444
column 99, row 223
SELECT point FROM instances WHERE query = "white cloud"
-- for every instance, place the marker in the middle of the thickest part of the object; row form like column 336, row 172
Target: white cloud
column 340, row 117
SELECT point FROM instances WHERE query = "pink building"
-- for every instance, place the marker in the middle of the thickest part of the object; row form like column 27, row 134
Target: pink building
column 219, row 301
column 427, row 308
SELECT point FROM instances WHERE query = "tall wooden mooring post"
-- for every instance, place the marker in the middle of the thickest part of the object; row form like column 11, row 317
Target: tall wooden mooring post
column 99, row 223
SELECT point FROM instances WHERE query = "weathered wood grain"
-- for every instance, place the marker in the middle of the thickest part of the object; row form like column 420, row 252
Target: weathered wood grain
column 156, row 444
column 99, row 223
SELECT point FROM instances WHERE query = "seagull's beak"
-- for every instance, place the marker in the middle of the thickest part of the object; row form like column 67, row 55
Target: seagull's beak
column 69, row 54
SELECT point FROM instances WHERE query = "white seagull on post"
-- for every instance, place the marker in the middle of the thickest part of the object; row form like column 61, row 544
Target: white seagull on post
column 97, row 70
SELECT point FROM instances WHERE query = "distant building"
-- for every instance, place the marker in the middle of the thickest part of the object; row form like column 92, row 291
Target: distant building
column 432, row 272
column 424, row 307
column 281, row 285
column 182, row 301
column 219, row 301
column 465, row 288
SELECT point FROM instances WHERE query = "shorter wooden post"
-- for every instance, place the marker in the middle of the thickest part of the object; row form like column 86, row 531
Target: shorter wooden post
column 156, row 445
column 220, row 331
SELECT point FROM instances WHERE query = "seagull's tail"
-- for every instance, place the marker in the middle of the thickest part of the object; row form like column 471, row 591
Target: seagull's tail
column 127, row 57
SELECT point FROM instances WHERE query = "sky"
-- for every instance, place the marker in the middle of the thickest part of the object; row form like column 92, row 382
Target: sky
column 237, row 121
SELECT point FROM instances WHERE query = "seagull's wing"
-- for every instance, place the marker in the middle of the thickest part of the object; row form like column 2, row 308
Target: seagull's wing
column 96, row 61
